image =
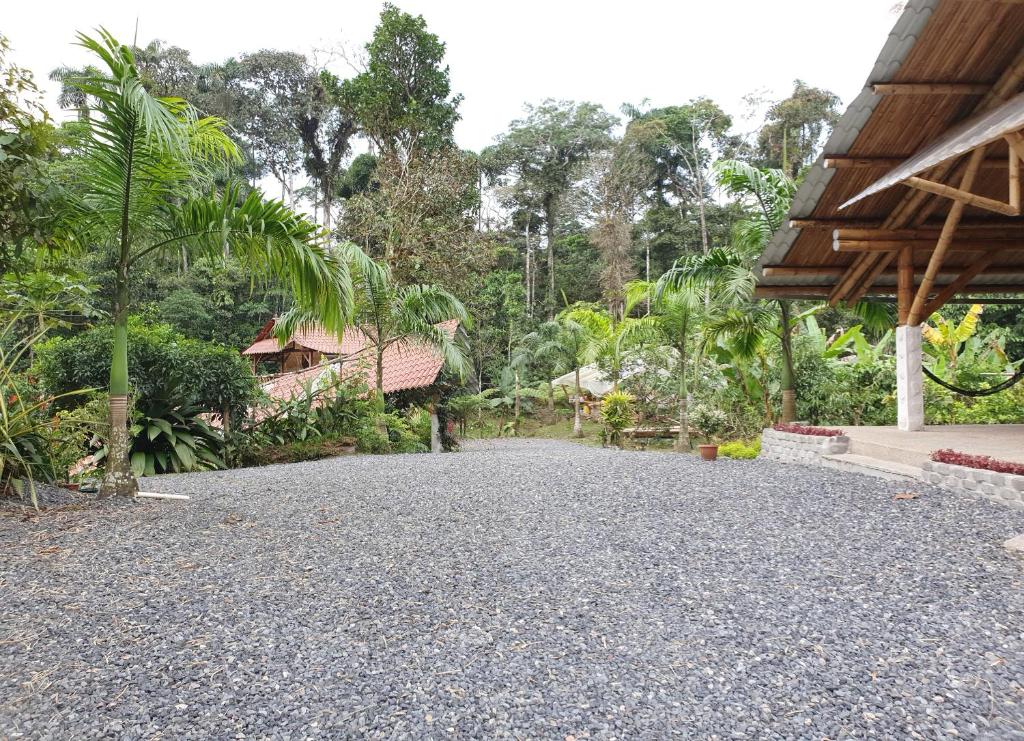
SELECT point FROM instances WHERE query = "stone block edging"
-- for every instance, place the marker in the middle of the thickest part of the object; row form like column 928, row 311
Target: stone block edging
column 1007, row 488
column 791, row 447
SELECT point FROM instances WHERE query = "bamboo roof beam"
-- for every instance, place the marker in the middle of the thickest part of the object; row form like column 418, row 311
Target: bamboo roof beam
column 860, row 266
column 826, row 271
column 1009, row 82
column 945, row 239
column 931, row 88
column 1004, row 232
column 818, row 291
column 923, row 245
column 872, row 275
column 844, row 162
column 962, row 196
column 904, row 284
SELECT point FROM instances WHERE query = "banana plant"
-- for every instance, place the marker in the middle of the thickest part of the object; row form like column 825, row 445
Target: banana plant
column 952, row 345
column 863, row 351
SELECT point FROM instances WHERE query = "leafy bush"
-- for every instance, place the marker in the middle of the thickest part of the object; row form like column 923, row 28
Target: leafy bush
column 942, row 406
column 26, row 431
column 79, row 433
column 165, row 368
column 709, row 422
column 616, row 414
column 830, row 391
column 978, row 461
column 740, row 449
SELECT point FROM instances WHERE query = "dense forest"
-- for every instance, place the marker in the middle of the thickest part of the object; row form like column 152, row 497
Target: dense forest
column 624, row 239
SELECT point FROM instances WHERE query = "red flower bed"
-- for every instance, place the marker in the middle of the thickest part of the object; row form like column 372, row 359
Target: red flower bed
column 806, row 430
column 977, row 461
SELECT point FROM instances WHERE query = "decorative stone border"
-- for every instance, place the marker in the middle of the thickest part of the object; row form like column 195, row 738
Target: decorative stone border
column 790, row 447
column 1006, row 488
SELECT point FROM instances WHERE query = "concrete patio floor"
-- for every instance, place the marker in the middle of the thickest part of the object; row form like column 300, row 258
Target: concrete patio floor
column 1005, row 442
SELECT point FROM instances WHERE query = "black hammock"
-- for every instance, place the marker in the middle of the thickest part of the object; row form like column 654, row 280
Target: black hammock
column 975, row 393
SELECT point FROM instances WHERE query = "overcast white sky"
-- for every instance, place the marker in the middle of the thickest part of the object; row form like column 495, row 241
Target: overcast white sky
column 504, row 54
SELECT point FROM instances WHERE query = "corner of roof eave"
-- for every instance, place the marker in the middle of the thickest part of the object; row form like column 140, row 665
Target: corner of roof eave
column 900, row 41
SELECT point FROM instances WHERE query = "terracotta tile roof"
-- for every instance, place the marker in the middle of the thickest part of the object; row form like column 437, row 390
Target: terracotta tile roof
column 407, row 365
column 313, row 338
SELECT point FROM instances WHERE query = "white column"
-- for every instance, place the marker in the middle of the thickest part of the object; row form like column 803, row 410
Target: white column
column 909, row 379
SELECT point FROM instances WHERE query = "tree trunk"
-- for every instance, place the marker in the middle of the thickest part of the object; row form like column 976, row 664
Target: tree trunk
column 698, row 171
column 788, row 377
column 683, row 439
column 515, row 422
column 379, row 388
column 435, row 429
column 118, row 478
column 577, row 420
column 550, row 213
column 551, row 401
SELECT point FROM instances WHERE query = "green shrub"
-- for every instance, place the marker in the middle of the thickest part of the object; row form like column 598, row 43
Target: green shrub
column 740, row 449
column 164, row 366
column 307, row 450
column 616, row 414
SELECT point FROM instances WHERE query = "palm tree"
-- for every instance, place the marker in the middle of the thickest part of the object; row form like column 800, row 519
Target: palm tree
column 674, row 323
column 390, row 314
column 769, row 192
column 571, row 343
column 607, row 337
column 145, row 187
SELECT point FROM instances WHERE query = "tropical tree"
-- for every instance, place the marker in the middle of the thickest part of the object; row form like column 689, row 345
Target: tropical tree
column 403, row 100
column 144, row 187
column 571, row 343
column 543, row 152
column 390, row 314
column 795, row 128
column 769, row 192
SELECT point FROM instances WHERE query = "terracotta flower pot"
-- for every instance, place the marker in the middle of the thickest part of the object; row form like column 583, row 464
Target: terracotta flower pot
column 708, row 452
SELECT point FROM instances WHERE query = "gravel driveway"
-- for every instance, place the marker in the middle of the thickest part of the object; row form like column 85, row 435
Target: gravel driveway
column 526, row 589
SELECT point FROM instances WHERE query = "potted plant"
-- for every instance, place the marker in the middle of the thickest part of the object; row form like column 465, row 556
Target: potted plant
column 709, row 423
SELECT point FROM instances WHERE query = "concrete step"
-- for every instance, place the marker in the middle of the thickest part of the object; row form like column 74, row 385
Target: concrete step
column 886, row 452
column 883, row 469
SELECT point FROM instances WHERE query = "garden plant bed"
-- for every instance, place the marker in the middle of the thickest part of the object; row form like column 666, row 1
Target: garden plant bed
column 532, row 588
column 799, row 447
column 977, row 474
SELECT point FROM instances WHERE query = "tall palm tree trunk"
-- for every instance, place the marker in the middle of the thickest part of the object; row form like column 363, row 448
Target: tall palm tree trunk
column 577, row 421
column 683, row 438
column 788, row 378
column 551, row 400
column 118, row 478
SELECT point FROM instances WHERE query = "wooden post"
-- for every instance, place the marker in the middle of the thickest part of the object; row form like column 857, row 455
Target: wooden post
column 1014, row 179
column 956, row 210
column 905, row 283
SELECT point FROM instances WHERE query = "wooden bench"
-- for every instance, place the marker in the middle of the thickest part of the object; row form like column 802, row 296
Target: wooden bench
column 644, row 435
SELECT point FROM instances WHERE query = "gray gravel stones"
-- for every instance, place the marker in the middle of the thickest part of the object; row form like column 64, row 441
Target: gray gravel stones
column 524, row 588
